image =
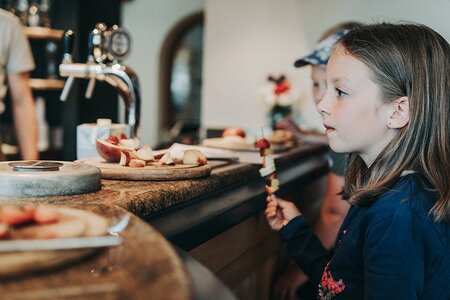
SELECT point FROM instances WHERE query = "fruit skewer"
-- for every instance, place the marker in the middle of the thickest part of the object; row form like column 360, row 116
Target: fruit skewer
column 268, row 170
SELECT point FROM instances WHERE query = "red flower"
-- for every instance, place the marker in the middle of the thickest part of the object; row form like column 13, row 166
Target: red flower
column 328, row 287
column 281, row 87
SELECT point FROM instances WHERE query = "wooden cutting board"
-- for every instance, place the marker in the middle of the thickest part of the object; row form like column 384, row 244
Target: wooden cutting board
column 73, row 223
column 164, row 172
column 235, row 146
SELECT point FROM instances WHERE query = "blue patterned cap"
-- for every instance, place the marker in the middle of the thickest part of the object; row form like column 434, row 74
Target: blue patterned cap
column 322, row 51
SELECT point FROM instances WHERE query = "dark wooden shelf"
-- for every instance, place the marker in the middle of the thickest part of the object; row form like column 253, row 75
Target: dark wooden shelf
column 50, row 154
column 38, row 84
column 43, row 33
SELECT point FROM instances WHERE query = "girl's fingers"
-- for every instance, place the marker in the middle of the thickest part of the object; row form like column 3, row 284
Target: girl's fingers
column 270, row 214
column 270, row 198
column 274, row 197
column 271, row 211
column 285, row 204
column 272, row 204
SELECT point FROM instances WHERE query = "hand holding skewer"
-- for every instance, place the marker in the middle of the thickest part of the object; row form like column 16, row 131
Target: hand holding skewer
column 278, row 211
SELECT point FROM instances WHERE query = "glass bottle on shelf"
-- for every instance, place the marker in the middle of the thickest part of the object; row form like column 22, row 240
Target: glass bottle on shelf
column 22, row 11
column 51, row 60
column 277, row 113
column 43, row 142
column 33, row 14
column 9, row 5
column 45, row 8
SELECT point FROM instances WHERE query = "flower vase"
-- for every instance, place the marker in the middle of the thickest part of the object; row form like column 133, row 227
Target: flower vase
column 277, row 113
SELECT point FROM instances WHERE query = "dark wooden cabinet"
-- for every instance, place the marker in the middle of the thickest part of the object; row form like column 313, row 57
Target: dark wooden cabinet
column 81, row 17
column 63, row 117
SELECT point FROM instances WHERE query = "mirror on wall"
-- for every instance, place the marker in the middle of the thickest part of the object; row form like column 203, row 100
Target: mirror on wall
column 181, row 81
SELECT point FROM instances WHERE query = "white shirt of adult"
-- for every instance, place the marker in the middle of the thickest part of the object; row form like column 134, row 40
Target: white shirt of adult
column 15, row 52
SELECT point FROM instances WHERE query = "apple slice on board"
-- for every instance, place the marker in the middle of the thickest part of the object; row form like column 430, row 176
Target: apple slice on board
column 111, row 149
column 194, row 157
column 233, row 131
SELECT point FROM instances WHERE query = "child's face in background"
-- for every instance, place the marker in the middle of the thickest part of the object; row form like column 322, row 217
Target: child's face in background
column 353, row 113
column 319, row 79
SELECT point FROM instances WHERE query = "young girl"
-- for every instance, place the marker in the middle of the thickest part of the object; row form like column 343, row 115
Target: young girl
column 387, row 103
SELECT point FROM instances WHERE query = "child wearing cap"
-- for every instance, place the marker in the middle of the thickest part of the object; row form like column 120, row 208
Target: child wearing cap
column 387, row 105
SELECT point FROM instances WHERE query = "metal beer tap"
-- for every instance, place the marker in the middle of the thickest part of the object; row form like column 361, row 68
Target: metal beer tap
column 106, row 49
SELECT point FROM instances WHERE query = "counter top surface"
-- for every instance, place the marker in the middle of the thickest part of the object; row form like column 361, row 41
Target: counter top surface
column 178, row 210
column 145, row 198
column 231, row 193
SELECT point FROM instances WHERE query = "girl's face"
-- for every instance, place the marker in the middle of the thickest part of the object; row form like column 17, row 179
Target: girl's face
column 354, row 116
column 319, row 79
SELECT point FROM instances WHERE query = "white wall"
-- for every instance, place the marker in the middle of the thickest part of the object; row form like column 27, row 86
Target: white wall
column 433, row 13
column 149, row 21
column 246, row 40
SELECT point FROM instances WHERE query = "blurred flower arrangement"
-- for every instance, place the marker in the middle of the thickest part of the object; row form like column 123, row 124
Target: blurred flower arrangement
column 278, row 96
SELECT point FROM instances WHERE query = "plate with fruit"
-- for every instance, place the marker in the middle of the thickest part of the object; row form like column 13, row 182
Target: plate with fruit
column 42, row 224
column 122, row 159
column 236, row 139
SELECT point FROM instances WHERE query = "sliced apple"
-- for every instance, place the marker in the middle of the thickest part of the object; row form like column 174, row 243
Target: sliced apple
column 4, row 231
column 145, row 153
column 109, row 151
column 194, row 157
column 129, row 143
column 45, row 215
column 16, row 215
column 124, row 158
column 164, row 158
column 267, row 170
column 235, row 140
column 170, row 162
column 137, row 163
column 271, row 189
column 233, row 131
column 113, row 140
column 132, row 153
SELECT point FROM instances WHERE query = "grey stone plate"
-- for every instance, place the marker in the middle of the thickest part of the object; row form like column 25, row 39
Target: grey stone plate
column 20, row 179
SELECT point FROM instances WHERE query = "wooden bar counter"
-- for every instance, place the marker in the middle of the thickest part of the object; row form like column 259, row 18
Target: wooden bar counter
column 216, row 219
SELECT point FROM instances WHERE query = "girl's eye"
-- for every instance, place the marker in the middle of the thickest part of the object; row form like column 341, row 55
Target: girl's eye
column 340, row 93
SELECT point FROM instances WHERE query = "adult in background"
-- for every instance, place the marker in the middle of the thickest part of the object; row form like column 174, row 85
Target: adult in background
column 16, row 61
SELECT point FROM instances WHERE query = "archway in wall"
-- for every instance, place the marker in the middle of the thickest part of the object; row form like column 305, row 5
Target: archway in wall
column 180, row 81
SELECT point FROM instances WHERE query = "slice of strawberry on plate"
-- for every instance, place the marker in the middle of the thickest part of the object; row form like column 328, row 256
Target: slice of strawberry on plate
column 11, row 214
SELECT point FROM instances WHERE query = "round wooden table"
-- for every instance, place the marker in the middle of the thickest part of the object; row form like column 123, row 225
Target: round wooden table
column 144, row 266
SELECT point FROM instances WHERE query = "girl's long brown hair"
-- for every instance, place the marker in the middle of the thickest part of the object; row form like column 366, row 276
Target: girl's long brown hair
column 406, row 60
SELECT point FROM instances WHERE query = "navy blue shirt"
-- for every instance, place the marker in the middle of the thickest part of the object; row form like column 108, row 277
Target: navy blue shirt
column 389, row 250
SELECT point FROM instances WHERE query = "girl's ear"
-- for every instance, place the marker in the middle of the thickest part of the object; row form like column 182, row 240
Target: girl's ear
column 399, row 116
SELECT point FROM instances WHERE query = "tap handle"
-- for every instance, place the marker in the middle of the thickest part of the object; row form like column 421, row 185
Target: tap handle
column 66, row 89
column 95, row 45
column 68, row 40
column 90, row 88
column 91, row 40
